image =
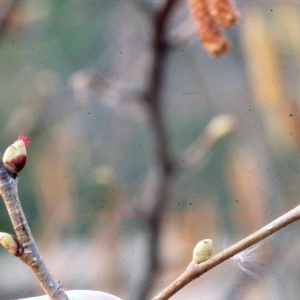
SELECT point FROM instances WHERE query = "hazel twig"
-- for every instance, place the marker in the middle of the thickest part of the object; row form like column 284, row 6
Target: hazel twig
column 196, row 270
column 31, row 255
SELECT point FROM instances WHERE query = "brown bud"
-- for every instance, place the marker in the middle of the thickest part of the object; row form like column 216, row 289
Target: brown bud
column 11, row 244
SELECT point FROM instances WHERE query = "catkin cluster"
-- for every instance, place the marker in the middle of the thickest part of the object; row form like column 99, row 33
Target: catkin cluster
column 211, row 16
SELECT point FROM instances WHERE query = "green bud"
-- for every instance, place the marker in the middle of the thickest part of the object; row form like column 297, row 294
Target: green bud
column 202, row 251
column 11, row 244
column 222, row 125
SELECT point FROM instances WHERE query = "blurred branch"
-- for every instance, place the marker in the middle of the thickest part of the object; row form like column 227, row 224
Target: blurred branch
column 82, row 81
column 7, row 9
column 153, row 100
column 31, row 255
column 196, row 270
column 216, row 130
column 165, row 166
column 152, row 96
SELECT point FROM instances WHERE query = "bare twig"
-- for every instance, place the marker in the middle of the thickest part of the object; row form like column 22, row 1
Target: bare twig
column 196, row 270
column 30, row 256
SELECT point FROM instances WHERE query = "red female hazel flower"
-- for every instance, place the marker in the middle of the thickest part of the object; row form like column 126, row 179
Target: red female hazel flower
column 14, row 157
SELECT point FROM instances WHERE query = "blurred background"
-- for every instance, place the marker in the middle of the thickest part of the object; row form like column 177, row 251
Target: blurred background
column 71, row 77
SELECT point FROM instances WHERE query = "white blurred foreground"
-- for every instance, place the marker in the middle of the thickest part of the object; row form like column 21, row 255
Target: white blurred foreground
column 81, row 295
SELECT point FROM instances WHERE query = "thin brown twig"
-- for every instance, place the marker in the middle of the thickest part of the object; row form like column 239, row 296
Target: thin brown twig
column 31, row 255
column 196, row 270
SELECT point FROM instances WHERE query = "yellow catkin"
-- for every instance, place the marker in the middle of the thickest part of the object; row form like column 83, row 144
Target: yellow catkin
column 210, row 33
column 223, row 12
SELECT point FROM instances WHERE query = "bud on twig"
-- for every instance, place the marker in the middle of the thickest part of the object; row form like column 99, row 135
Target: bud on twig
column 202, row 251
column 218, row 128
column 104, row 176
column 11, row 244
column 14, row 157
column 221, row 126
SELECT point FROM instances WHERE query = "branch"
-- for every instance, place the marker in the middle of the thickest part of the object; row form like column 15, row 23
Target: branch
column 196, row 270
column 164, row 169
column 30, row 256
column 153, row 95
